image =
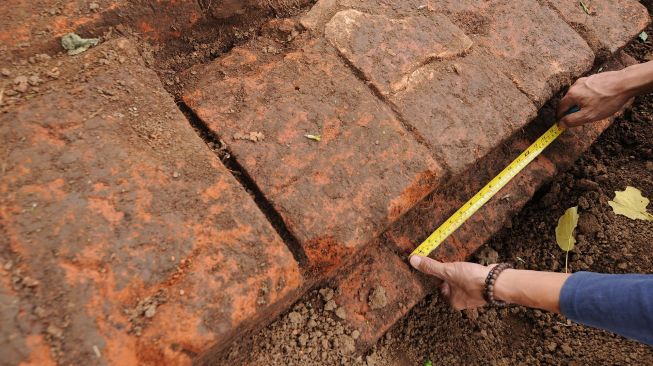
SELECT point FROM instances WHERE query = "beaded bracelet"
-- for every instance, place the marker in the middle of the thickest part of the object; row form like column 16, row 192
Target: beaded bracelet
column 488, row 292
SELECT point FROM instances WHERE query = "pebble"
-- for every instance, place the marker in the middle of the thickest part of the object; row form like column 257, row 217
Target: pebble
column 330, row 305
column 326, row 293
column 295, row 317
column 649, row 166
column 150, row 311
column 5, row 72
column 341, row 313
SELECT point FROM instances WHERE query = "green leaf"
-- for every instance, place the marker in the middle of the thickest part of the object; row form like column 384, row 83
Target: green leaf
column 584, row 6
column 314, row 137
column 428, row 363
column 631, row 203
column 565, row 229
column 643, row 36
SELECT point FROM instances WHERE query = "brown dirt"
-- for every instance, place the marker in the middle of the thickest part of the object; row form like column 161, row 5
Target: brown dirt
column 607, row 243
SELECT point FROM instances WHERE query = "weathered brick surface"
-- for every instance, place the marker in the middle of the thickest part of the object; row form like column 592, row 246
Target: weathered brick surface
column 377, row 292
column 421, row 221
column 337, row 194
column 528, row 42
column 388, row 50
column 610, row 24
column 463, row 108
column 120, row 222
column 20, row 338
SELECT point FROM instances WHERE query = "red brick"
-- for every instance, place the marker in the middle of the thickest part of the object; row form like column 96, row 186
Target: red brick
column 20, row 341
column 334, row 195
column 378, row 269
column 530, row 43
column 388, row 50
column 463, row 108
column 410, row 230
column 109, row 197
column 609, row 26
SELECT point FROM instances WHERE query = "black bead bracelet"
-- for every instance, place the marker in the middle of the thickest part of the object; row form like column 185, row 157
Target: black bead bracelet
column 488, row 292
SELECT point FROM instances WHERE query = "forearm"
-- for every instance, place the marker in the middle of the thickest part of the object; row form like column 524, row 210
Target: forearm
column 637, row 79
column 531, row 288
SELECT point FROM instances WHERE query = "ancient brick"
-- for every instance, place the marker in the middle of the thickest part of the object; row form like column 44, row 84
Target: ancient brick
column 530, row 43
column 415, row 226
column 335, row 194
column 463, row 108
column 377, row 292
column 20, row 340
column 609, row 25
column 388, row 51
column 126, row 224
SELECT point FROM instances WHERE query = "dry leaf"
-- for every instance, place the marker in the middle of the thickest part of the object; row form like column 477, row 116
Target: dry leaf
column 631, row 203
column 565, row 229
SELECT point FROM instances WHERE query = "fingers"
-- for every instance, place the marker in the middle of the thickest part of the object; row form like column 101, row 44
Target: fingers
column 430, row 266
column 445, row 289
column 566, row 103
column 574, row 119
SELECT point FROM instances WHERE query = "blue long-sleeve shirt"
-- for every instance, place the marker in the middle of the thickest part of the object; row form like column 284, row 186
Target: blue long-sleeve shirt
column 622, row 304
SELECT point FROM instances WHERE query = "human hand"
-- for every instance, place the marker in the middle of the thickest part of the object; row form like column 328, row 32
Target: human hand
column 598, row 96
column 462, row 283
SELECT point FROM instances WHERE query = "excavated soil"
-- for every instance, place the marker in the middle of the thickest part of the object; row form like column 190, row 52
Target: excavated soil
column 623, row 156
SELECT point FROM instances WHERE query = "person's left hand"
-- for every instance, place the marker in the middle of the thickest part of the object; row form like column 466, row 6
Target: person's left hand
column 463, row 282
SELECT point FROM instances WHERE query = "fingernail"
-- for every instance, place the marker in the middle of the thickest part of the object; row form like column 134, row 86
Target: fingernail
column 415, row 261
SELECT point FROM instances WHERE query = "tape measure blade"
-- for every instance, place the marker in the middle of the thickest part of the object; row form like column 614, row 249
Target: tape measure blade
column 487, row 192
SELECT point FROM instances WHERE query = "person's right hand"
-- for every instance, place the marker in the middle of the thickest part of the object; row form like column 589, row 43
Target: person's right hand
column 463, row 282
column 598, row 96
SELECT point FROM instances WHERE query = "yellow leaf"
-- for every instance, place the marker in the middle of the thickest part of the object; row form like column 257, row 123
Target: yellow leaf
column 565, row 229
column 631, row 203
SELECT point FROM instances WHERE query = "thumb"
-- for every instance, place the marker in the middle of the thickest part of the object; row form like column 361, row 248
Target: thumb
column 574, row 119
column 429, row 266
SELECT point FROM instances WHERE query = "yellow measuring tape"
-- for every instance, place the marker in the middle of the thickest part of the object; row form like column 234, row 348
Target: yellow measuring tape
column 487, row 192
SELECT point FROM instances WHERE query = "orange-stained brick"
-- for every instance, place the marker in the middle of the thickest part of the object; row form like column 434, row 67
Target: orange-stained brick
column 109, row 201
column 609, row 26
column 336, row 194
column 377, row 292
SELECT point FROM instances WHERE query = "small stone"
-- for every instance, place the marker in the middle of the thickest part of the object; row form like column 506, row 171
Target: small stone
column 588, row 185
column 303, row 339
column 551, row 346
column 21, row 84
column 566, row 349
column 40, row 312
column 175, row 175
column 355, row 334
column 54, row 331
column 34, row 80
column 30, row 282
column 295, row 317
column 330, row 305
column 94, row 6
column 150, row 311
column 649, row 166
column 326, row 293
column 181, row 292
column 622, row 265
column 5, row 72
column 377, row 299
column 341, row 313
column 347, row 344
